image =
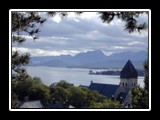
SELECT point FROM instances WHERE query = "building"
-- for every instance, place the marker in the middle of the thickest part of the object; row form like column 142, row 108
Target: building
column 121, row 92
column 31, row 104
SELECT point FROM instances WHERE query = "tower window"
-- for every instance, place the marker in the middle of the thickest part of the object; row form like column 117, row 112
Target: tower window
column 126, row 84
column 123, row 84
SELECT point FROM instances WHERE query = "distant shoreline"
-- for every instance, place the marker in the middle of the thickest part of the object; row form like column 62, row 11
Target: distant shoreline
column 113, row 72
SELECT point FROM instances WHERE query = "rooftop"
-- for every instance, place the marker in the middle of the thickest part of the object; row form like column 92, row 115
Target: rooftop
column 128, row 71
column 31, row 104
column 105, row 89
column 122, row 96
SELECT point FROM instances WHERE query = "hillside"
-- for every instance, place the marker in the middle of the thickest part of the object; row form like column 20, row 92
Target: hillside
column 91, row 59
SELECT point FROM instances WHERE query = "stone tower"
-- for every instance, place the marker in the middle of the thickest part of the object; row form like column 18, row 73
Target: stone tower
column 128, row 77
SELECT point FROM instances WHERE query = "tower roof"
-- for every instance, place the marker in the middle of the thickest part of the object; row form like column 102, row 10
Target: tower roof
column 129, row 71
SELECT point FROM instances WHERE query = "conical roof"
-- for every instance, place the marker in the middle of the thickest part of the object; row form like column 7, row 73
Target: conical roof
column 129, row 71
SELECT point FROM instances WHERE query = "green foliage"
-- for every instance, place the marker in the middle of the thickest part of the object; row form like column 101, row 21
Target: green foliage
column 30, row 89
column 15, row 101
column 23, row 86
column 138, row 100
column 40, row 92
column 105, row 104
column 93, row 96
column 97, row 100
column 64, row 84
column 25, row 22
column 59, row 94
column 22, row 23
column 37, row 80
column 130, row 19
column 19, row 59
column 62, row 92
column 140, row 96
column 146, row 79
column 78, row 96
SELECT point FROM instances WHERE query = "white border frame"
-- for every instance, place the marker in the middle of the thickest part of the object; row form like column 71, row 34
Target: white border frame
column 85, row 10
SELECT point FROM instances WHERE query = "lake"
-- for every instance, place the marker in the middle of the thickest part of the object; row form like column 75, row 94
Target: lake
column 76, row 76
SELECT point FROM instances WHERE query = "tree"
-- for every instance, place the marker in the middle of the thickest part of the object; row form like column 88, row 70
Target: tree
column 78, row 97
column 40, row 92
column 30, row 89
column 107, row 103
column 146, row 79
column 23, row 88
column 146, row 85
column 15, row 101
column 37, row 80
column 64, row 84
column 59, row 94
column 140, row 96
column 19, row 73
column 137, row 97
column 23, row 23
column 130, row 19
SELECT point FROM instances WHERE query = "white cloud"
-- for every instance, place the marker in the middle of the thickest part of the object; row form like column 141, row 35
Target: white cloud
column 74, row 34
column 56, row 18
column 89, row 15
column 77, row 20
column 135, row 43
column 117, row 22
column 41, row 52
column 71, row 15
column 119, row 47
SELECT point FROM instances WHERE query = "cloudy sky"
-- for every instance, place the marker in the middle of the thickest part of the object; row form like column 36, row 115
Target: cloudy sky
column 74, row 34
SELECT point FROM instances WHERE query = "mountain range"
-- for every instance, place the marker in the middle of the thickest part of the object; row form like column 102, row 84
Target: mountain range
column 91, row 59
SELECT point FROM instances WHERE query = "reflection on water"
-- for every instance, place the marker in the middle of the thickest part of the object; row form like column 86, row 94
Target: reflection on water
column 77, row 76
